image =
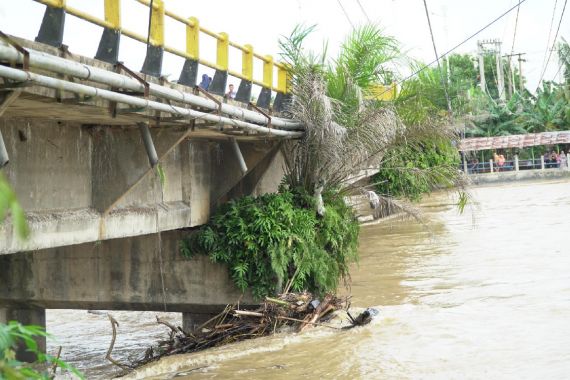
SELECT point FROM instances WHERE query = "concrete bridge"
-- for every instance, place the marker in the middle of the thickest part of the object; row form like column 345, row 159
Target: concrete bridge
column 112, row 165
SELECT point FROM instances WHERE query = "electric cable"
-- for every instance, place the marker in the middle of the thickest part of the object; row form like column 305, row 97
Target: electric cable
column 150, row 10
column 458, row 45
column 363, row 11
column 515, row 33
column 443, row 80
column 345, row 14
column 554, row 41
column 549, row 33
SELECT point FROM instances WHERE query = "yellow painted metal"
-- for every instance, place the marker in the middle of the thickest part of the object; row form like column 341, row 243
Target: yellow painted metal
column 268, row 71
column 282, row 78
column 87, row 17
column 247, row 62
column 193, row 38
column 157, row 23
column 383, row 92
column 133, row 35
column 193, row 29
column 243, row 48
column 222, row 51
column 113, row 13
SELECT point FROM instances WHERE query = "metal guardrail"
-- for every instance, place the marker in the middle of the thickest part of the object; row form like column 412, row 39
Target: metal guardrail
column 510, row 165
column 52, row 28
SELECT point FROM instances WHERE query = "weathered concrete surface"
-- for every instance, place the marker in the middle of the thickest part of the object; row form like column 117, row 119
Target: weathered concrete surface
column 139, row 273
column 81, row 183
column 523, row 175
column 82, row 174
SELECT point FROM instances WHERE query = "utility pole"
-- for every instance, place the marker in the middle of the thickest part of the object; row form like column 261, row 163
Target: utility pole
column 496, row 50
column 480, row 54
column 500, row 73
column 521, row 60
column 510, row 82
column 521, row 82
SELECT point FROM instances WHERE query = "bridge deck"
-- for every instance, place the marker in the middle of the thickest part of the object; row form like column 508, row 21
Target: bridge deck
column 37, row 101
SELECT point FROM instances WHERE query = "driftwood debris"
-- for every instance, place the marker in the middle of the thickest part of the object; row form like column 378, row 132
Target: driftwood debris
column 299, row 311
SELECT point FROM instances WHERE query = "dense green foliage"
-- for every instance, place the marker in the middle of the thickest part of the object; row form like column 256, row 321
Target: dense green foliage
column 12, row 369
column 274, row 239
column 410, row 173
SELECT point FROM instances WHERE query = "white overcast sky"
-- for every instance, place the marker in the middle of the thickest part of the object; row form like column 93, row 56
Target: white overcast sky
column 262, row 22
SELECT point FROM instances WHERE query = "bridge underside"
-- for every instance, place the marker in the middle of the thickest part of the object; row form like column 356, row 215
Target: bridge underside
column 81, row 166
column 105, row 222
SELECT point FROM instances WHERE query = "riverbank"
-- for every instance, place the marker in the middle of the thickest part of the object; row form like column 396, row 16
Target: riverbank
column 522, row 175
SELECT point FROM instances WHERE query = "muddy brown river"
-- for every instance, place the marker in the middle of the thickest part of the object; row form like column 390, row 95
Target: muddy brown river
column 483, row 295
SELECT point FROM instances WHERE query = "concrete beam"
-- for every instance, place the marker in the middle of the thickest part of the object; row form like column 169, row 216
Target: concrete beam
column 139, row 273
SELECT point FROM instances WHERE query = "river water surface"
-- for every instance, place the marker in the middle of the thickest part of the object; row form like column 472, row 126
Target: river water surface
column 482, row 297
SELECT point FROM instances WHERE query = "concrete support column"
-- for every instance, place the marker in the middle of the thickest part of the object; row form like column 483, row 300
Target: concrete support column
column 191, row 321
column 541, row 162
column 26, row 317
column 516, row 162
column 465, row 165
column 491, row 165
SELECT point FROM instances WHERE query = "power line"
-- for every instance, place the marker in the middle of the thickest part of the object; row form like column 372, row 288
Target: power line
column 549, row 33
column 363, row 11
column 346, row 14
column 458, row 45
column 554, row 41
column 443, row 80
column 516, row 25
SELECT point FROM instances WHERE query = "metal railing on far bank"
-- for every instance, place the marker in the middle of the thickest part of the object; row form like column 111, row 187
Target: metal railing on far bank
column 476, row 167
column 52, row 28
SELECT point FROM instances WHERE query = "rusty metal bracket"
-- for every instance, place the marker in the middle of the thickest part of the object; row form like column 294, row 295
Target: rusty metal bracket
column 212, row 98
column 264, row 114
column 20, row 48
column 120, row 66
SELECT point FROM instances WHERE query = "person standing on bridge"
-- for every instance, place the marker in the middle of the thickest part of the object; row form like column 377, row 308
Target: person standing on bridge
column 206, row 80
column 563, row 160
column 231, row 94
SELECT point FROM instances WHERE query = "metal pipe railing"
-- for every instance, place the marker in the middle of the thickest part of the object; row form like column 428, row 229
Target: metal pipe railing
column 59, row 65
column 511, row 165
column 59, row 84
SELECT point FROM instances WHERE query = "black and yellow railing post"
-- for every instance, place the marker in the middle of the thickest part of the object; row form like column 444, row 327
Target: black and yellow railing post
column 218, row 85
column 108, row 50
column 264, row 99
column 51, row 32
column 283, row 97
column 244, row 90
column 189, row 74
column 53, row 23
column 155, row 50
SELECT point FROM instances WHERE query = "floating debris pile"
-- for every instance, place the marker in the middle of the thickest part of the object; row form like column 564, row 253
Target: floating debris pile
column 293, row 311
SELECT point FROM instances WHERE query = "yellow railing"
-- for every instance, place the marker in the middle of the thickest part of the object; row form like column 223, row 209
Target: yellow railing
column 383, row 92
column 192, row 50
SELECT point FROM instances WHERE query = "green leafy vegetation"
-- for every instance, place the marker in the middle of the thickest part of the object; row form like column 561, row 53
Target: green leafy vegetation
column 11, row 335
column 278, row 240
column 9, row 204
column 410, row 173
